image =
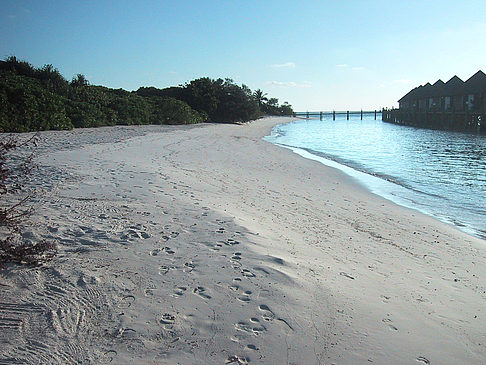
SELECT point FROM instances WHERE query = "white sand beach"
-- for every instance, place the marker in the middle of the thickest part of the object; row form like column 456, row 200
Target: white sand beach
column 205, row 244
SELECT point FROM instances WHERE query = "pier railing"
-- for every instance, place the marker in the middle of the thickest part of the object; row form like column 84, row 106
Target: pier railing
column 451, row 120
column 321, row 115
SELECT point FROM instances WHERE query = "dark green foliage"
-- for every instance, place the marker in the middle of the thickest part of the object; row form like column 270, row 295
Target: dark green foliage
column 271, row 107
column 79, row 80
column 172, row 111
column 221, row 100
column 42, row 99
column 44, row 102
column 26, row 105
column 260, row 97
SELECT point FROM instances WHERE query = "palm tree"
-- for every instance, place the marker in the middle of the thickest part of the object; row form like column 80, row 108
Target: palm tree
column 260, row 97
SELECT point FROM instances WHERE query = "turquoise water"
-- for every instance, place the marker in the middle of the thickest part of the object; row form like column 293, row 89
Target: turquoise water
column 440, row 173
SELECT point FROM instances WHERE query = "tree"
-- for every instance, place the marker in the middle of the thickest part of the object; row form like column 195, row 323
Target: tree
column 260, row 97
column 34, row 99
column 79, row 80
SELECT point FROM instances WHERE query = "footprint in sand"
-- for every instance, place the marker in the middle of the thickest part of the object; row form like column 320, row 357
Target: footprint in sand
column 189, row 266
column 154, row 252
column 385, row 298
column 179, row 291
column 108, row 357
column 231, row 242
column 248, row 328
column 126, row 301
column 422, row 360
column 258, row 330
column 168, row 250
column 245, row 298
column 267, row 314
column 200, row 291
column 164, row 269
column 243, row 327
column 237, row 360
column 164, row 238
column 167, row 320
column 247, row 273
column 389, row 323
column 135, row 233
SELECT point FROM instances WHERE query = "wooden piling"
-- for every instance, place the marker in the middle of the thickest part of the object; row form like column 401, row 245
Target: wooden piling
column 333, row 115
column 361, row 114
column 347, row 115
column 375, row 114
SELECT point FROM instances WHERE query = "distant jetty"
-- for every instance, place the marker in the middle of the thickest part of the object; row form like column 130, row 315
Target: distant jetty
column 321, row 115
column 454, row 105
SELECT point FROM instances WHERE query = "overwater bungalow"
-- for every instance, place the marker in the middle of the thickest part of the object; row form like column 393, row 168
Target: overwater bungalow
column 454, row 105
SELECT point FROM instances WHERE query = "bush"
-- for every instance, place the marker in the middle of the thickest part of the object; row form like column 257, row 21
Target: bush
column 33, row 99
column 14, row 172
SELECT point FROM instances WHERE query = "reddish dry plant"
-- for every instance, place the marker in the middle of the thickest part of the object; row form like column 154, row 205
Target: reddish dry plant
column 14, row 172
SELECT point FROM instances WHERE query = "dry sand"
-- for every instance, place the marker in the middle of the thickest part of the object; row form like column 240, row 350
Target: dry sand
column 207, row 245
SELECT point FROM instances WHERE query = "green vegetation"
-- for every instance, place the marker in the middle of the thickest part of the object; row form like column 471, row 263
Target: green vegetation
column 33, row 99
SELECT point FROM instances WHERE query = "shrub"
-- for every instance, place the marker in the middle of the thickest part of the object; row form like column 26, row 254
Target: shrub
column 14, row 172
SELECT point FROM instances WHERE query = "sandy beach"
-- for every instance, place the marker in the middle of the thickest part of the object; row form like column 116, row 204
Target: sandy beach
column 205, row 244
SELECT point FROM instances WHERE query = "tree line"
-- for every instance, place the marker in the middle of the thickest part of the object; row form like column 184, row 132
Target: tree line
column 33, row 99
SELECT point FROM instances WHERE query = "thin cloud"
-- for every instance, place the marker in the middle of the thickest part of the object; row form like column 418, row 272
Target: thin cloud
column 306, row 84
column 358, row 68
column 284, row 65
column 342, row 65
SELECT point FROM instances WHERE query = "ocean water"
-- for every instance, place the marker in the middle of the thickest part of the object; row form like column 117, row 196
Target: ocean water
column 440, row 173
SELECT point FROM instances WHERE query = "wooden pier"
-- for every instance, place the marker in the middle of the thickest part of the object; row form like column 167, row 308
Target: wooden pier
column 457, row 121
column 321, row 115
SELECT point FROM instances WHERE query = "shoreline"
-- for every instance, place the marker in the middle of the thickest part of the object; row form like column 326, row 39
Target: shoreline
column 384, row 191
column 211, row 245
column 385, row 188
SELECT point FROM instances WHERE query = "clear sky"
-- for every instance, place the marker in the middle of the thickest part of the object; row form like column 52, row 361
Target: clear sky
column 317, row 55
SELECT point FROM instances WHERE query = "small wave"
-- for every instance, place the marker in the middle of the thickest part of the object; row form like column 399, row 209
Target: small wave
column 358, row 167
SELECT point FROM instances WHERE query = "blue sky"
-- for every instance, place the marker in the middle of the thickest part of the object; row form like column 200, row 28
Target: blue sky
column 317, row 55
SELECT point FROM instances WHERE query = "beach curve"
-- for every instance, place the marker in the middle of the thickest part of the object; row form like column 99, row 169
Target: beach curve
column 207, row 244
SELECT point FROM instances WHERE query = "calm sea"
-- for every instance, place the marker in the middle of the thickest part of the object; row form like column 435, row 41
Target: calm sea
column 440, row 173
